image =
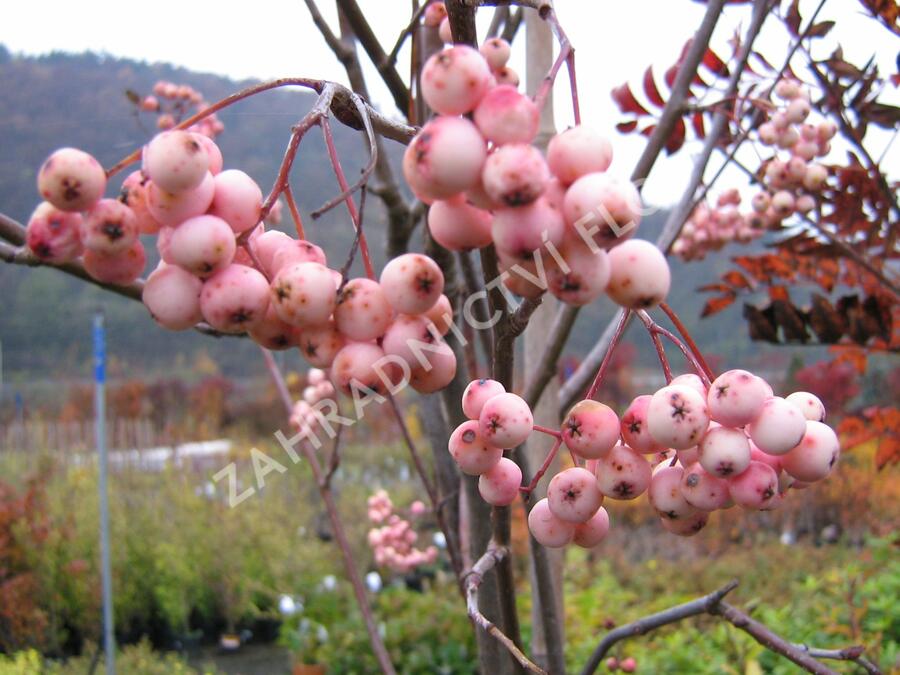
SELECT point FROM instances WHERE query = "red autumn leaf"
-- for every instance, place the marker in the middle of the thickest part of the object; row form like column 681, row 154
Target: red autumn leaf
column 716, row 288
column 626, row 101
column 648, row 130
column 627, row 127
column 676, row 138
column 712, row 61
column 778, row 292
column 736, row 279
column 697, row 124
column 888, row 452
column 670, row 75
column 650, row 88
column 715, row 305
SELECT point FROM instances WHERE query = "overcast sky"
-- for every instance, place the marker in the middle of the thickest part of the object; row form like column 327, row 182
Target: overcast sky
column 273, row 38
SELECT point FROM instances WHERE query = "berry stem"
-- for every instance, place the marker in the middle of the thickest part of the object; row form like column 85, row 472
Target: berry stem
column 661, row 353
column 295, row 212
column 528, row 489
column 620, row 329
column 566, row 55
column 686, row 336
column 547, row 430
column 655, row 329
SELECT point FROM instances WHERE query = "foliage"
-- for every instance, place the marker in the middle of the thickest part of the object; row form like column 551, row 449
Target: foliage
column 139, row 659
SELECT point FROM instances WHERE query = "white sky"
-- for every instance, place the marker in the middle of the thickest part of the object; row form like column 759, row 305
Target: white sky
column 273, row 38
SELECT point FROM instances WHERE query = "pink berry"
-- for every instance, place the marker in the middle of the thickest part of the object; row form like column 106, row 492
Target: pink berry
column 409, row 338
column 457, row 225
column 603, row 208
column 778, row 427
column 677, row 417
column 788, row 138
column 688, row 456
column 237, row 200
column 496, row 52
column 434, row 14
column 71, row 180
column 665, row 494
column 135, row 194
column 634, row 428
column 109, row 227
column 116, row 268
column 477, row 393
column 590, row 429
column 212, row 152
column 437, row 373
column 815, row 177
column 761, row 202
column 768, row 134
column 505, row 420
column 273, row 333
column 444, row 159
column 639, row 276
column 303, row 294
column 175, row 161
column 573, row 495
column 295, row 251
column 755, row 487
column 783, row 203
column 519, row 231
column 702, row 490
column 798, row 110
column 810, row 405
column 686, row 526
column 235, row 299
column 578, row 151
column 522, row 276
column 499, row 485
column 319, row 344
column 363, row 311
column 757, row 455
column 266, row 245
column 173, row 297
column 506, row 76
column 628, row 665
column 585, row 276
column 612, row 663
column 623, row 473
column 735, row 398
column 547, row 529
column 787, row 89
column 170, row 209
column 589, row 534
column 440, row 315
column 361, row 367
column 515, row 174
column 53, row 235
column 814, row 456
column 445, row 32
column 505, row 116
column 724, row 452
column 455, row 80
column 202, row 245
column 412, row 283
column 691, row 380
column 470, row 451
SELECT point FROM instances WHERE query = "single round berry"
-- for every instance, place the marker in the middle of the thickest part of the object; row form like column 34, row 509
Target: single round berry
column 573, row 495
column 237, row 200
column 602, row 207
column 202, row 245
column 515, row 174
column 634, row 427
column 54, row 235
column 170, row 209
column 724, row 452
column 735, row 398
column 71, row 180
column 134, row 194
column 273, row 333
column 175, row 161
column 691, row 380
column 519, row 231
column 470, row 451
column 412, row 283
column 778, row 427
column 500, row 484
column 677, row 417
column 409, row 338
column 213, row 153
column 815, row 455
column 303, row 294
column 477, row 393
column 703, row 490
column 592, row 532
column 361, row 368
column 755, row 487
column 506, row 75
column 583, row 278
column 623, row 473
column 457, row 225
column 506, row 116
column 639, row 275
column 444, row 159
column 686, row 526
column 665, row 494
column 455, row 79
column 810, row 405
column 505, row 420
column 172, row 296
column 496, row 52
column 116, row 268
column 440, row 315
column 266, row 245
column 235, row 299
column 109, row 227
column 363, row 311
column 590, row 429
column 547, row 529
column 320, row 344
column 578, row 151
column 437, row 371
column 295, row 251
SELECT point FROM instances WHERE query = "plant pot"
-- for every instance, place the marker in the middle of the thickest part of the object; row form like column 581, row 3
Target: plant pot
column 308, row 669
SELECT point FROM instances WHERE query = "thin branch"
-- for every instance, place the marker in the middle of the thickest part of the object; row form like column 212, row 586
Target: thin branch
column 408, row 31
column 532, row 484
column 656, row 329
column 854, row 653
column 685, row 334
column 607, row 358
column 295, row 212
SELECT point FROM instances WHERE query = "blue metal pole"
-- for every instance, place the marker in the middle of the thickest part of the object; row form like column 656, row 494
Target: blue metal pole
column 109, row 641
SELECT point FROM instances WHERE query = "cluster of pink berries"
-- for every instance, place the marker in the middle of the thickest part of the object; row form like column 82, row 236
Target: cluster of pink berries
column 626, row 665
column 551, row 219
column 731, row 443
column 318, row 388
column 393, row 542
column 172, row 101
column 791, row 179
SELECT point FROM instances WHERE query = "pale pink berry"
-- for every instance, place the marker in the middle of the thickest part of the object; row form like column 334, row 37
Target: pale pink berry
column 761, row 202
column 665, row 494
column 212, row 152
column 515, row 174
column 360, row 368
column 603, row 208
column 778, row 427
column 237, row 200
column 173, row 297
column 589, row 534
column 703, row 490
column 409, row 338
column 135, row 194
column 412, row 283
column 798, row 110
column 578, row 151
column 500, row 484
column 170, row 209
column 506, row 76
column 457, row 225
column 477, row 393
column 787, row 89
column 547, row 529
column 440, row 315
column 826, row 130
column 815, row 455
column 235, row 299
column 688, row 456
column 757, row 455
column 768, row 134
column 444, row 159
column 810, row 405
column 691, row 380
column 476, row 196
column 149, row 104
column 623, row 473
column 202, row 245
column 735, row 398
column 266, row 245
column 71, row 180
column 175, row 161
column 628, row 665
column 362, row 311
column 295, row 251
column 445, row 32
column 815, row 177
column 788, row 138
column 54, row 235
column 573, row 495
column 273, row 333
column 521, row 230
column 470, row 451
column 303, row 294
column 724, row 452
column 455, row 79
column 506, row 116
column 639, row 275
column 755, row 487
column 116, row 268
column 437, row 372
column 677, row 417
column 109, row 227
column 783, row 203
column 807, row 150
column 522, row 276
column 590, row 429
column 434, row 14
column 634, row 427
column 686, row 526
column 320, row 344
column 505, row 420
column 584, row 277
column 496, row 52
column 796, row 169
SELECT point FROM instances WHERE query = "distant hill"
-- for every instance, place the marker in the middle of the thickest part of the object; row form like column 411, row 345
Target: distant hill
column 79, row 100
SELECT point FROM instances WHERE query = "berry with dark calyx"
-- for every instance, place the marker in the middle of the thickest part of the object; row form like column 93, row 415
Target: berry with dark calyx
column 362, row 311
column 623, row 473
column 634, row 428
column 520, row 231
column 202, row 245
column 470, row 450
column 295, row 251
column 477, row 393
column 815, row 455
column 572, row 495
column 547, row 529
column 665, row 494
column 496, row 52
column 303, row 294
column 134, row 194
column 809, row 404
column 703, row 490
column 505, row 420
column 455, row 80
column 590, row 429
column 515, row 174
column 273, row 333
column 412, row 283
column 755, row 487
column 235, row 299
column 639, row 275
column 119, row 268
column 172, row 296
column 444, row 159
column 500, row 484
column 71, row 180
column 53, row 235
column 735, row 398
column 724, row 452
column 319, row 344
column 677, row 417
column 109, row 226
column 360, row 368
